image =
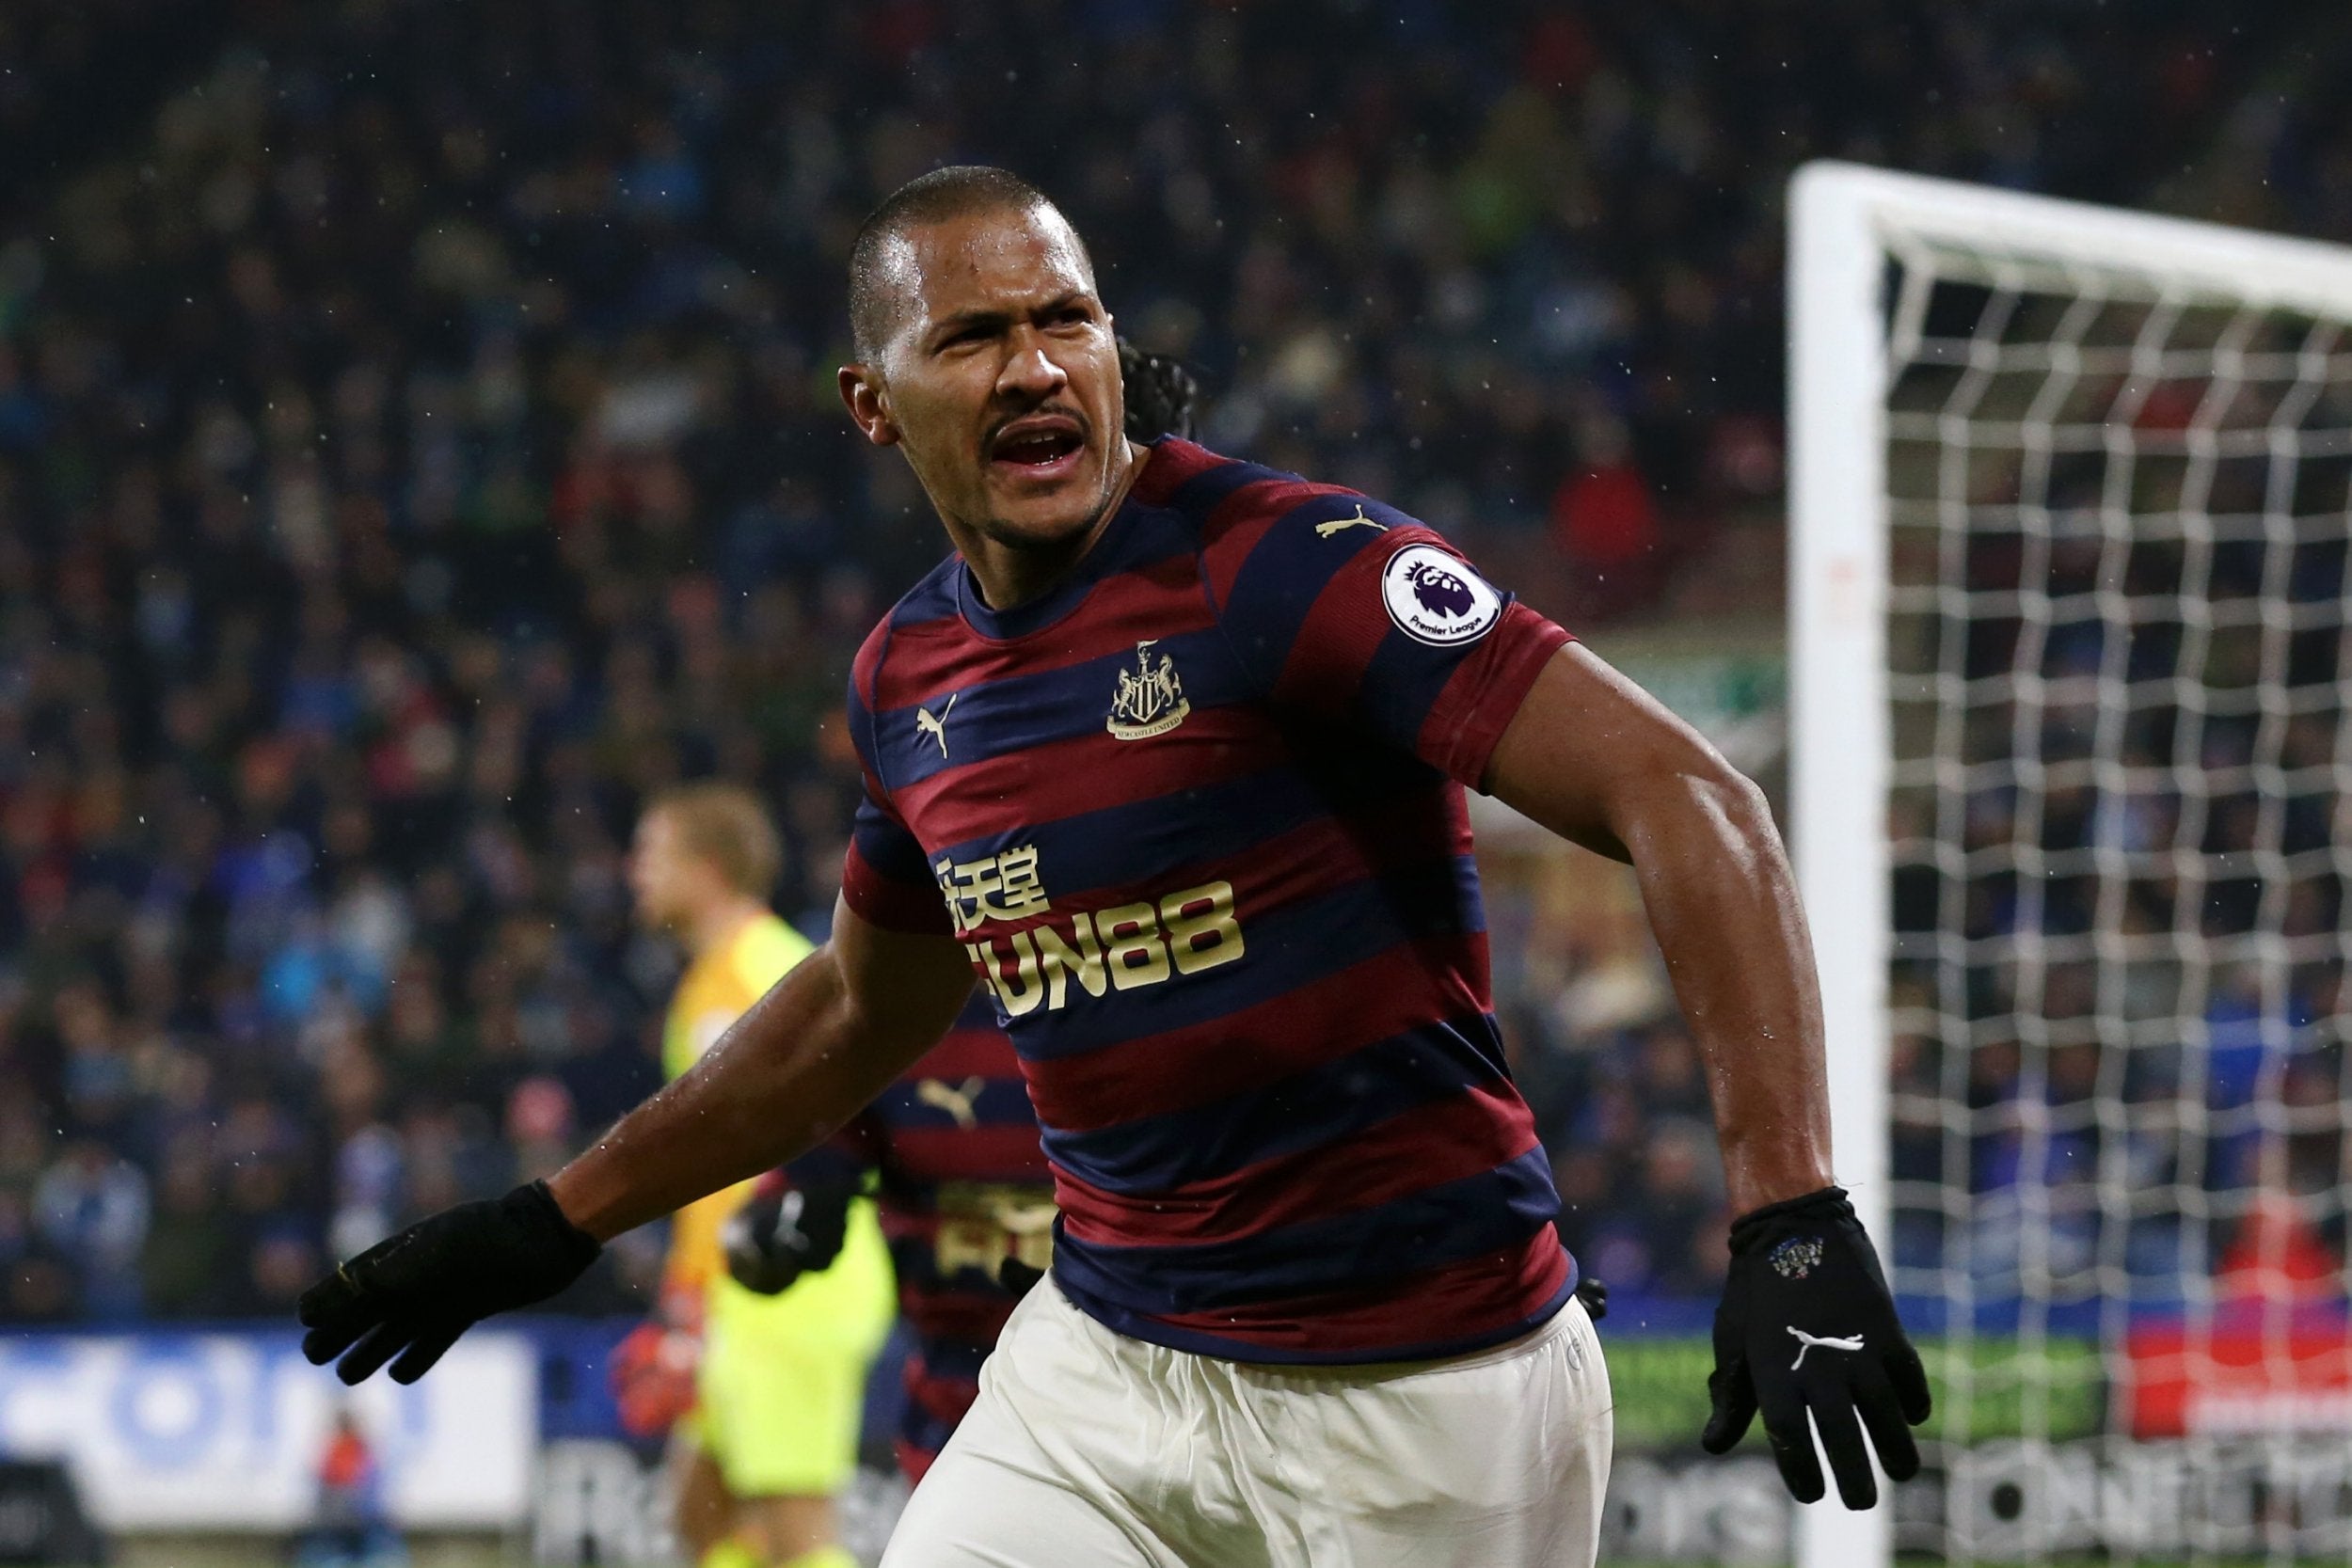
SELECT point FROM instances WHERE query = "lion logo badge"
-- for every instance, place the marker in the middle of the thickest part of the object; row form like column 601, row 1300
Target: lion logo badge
column 1438, row 598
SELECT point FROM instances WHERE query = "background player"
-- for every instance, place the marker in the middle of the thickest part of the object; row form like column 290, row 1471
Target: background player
column 964, row 1190
column 1356, row 1202
column 778, row 1385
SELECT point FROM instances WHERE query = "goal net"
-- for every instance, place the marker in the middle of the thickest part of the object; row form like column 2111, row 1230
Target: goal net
column 2070, row 774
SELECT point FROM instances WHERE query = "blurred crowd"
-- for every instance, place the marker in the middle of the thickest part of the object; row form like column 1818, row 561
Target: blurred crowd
column 418, row 441
column 2120, row 1070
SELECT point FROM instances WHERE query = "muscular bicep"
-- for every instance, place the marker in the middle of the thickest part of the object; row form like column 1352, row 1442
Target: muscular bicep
column 846, row 1021
column 905, row 988
column 1587, row 746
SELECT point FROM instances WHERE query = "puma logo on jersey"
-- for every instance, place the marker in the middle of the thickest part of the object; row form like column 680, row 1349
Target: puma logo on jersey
column 1324, row 530
column 1806, row 1341
column 936, row 728
column 957, row 1102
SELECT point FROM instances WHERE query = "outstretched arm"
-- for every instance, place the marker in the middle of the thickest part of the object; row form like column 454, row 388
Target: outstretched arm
column 826, row 1039
column 1806, row 1325
column 1598, row 761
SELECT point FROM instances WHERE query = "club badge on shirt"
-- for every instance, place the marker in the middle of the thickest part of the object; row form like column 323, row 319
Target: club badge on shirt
column 1437, row 599
column 1149, row 700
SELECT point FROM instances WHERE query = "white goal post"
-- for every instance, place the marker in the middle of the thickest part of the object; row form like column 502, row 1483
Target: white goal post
column 2136, row 304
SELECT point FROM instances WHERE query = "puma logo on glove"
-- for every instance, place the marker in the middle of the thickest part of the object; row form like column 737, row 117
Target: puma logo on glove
column 1797, row 1269
column 1806, row 1341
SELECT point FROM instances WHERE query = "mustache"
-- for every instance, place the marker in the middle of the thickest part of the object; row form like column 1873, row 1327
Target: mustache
column 1085, row 426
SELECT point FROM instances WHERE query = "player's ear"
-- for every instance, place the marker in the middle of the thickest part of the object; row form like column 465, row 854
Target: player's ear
column 861, row 394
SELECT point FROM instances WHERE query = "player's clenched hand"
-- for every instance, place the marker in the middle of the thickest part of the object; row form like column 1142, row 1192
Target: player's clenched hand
column 786, row 1228
column 1806, row 1324
column 414, row 1293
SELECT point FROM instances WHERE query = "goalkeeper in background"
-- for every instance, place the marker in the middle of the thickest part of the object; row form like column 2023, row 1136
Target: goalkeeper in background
column 762, row 1394
column 966, row 1202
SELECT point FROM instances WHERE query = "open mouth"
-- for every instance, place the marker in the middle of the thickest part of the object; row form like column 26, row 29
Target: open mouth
column 1042, row 450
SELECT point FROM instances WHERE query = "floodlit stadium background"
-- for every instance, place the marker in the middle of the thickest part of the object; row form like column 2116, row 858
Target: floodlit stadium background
column 416, row 442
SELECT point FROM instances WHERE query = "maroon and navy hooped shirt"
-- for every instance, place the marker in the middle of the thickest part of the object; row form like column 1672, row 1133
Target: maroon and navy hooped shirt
column 1197, row 816
column 963, row 1186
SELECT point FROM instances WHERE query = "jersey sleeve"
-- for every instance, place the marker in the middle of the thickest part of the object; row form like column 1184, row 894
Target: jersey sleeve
column 1353, row 611
column 885, row 878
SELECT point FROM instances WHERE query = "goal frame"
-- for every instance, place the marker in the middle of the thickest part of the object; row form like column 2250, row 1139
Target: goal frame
column 1845, row 223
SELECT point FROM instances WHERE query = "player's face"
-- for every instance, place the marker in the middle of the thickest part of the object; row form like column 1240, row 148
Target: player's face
column 661, row 875
column 1001, row 380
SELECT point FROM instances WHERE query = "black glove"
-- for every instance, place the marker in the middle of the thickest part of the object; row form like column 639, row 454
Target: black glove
column 414, row 1293
column 1018, row 1277
column 1594, row 1293
column 781, row 1235
column 1806, row 1324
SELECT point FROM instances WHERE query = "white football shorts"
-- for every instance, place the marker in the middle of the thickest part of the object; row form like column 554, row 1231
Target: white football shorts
column 1091, row 1449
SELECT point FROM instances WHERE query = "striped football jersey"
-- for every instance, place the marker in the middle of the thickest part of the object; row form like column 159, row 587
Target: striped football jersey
column 1197, row 816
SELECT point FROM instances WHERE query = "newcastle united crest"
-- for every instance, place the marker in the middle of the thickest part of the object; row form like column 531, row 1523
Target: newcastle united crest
column 1150, row 700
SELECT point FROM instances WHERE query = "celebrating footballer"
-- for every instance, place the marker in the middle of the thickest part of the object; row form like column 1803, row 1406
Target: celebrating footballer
column 1171, row 752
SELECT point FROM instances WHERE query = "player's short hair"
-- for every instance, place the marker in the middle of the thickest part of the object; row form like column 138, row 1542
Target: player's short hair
column 934, row 197
column 726, row 825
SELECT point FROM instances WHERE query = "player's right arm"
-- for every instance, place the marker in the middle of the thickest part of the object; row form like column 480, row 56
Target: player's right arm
column 825, row 1040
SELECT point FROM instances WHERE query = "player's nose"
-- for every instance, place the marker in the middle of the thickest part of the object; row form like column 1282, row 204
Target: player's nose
column 1029, row 372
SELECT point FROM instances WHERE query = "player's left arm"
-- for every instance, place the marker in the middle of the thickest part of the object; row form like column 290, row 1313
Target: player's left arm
column 1346, row 610
column 1600, row 761
column 1596, row 759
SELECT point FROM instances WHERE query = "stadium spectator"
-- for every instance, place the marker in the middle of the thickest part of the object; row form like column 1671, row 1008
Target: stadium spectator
column 352, row 1527
column 92, row 1208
